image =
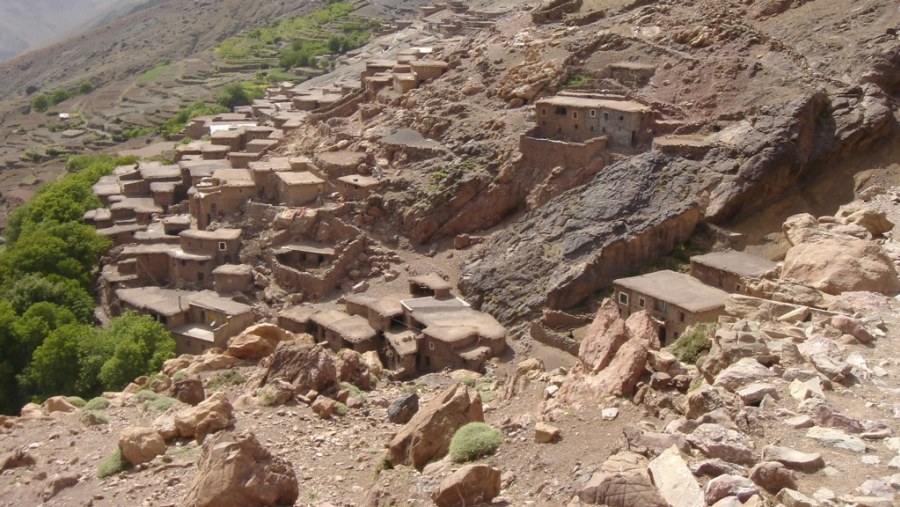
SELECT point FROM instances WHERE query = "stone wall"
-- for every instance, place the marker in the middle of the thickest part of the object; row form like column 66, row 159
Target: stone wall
column 553, row 339
column 554, row 10
column 316, row 286
column 549, row 153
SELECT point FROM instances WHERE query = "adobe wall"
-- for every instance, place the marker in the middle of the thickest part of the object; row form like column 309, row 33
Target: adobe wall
column 554, row 11
column 713, row 277
column 313, row 285
column 553, row 339
column 549, row 153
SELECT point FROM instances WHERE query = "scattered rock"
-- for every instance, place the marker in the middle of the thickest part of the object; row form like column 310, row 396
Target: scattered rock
column 794, row 498
column 545, row 433
column 58, row 404
column 716, row 441
column 729, row 485
column 609, row 414
column 626, row 489
column 213, row 414
column 306, row 367
column 772, row 476
column 795, row 460
column 674, row 481
column 57, row 484
column 189, row 390
column 15, row 459
column 140, row 445
column 403, row 408
column 470, row 485
column 836, row 438
column 324, row 407
column 745, row 371
column 234, row 470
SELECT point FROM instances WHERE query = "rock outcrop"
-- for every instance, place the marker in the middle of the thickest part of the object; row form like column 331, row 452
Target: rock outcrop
column 470, row 485
column 235, row 470
column 427, row 435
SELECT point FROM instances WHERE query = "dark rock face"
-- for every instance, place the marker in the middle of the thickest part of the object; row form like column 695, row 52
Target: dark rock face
column 403, row 408
column 640, row 208
column 582, row 240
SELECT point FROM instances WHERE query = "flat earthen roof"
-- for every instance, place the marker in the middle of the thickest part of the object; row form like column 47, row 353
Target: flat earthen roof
column 677, row 289
column 216, row 235
column 739, row 263
column 299, row 178
column 589, row 103
column 432, row 281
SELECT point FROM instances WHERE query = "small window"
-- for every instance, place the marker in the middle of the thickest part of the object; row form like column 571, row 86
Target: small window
column 681, row 316
column 592, row 128
column 605, row 116
column 561, row 111
column 593, row 113
column 576, row 126
column 661, row 306
column 738, row 288
column 675, row 335
column 430, row 345
column 621, row 118
column 575, row 114
column 641, row 302
column 543, row 112
column 623, row 298
column 222, row 246
column 604, row 130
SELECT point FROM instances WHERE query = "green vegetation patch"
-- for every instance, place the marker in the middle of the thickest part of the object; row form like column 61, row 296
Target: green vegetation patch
column 693, row 342
column 50, row 345
column 473, row 441
column 154, row 73
column 114, row 464
column 300, row 41
column 224, row 379
column 98, row 403
column 162, row 403
column 78, row 401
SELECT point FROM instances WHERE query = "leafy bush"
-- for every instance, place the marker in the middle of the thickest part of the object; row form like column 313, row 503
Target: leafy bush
column 473, row 441
column 238, row 94
column 40, row 103
column 146, row 395
column 77, row 401
column 341, row 409
column 98, row 403
column 115, row 463
column 179, row 375
column 693, row 342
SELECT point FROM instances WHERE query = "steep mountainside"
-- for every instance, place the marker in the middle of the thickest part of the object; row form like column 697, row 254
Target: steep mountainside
column 29, row 24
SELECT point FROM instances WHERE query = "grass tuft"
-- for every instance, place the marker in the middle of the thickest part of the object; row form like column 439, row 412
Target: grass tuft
column 115, row 463
column 77, row 401
column 98, row 403
column 693, row 343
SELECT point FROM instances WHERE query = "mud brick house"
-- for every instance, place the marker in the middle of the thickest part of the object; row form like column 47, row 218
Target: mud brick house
column 726, row 269
column 222, row 245
column 626, row 124
column 197, row 320
column 430, row 285
column 631, row 73
column 344, row 331
column 222, row 194
column 298, row 188
column 452, row 334
column 357, row 187
column 675, row 301
column 231, row 278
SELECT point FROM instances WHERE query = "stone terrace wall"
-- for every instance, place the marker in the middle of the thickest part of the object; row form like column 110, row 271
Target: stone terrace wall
column 549, row 153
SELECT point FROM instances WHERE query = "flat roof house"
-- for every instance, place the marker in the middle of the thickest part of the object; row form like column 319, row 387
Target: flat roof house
column 726, row 269
column 674, row 301
column 625, row 123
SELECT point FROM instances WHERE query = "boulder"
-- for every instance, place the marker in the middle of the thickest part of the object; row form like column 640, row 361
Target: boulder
column 875, row 222
column 652, row 443
column 716, row 441
column 795, row 460
column 470, row 485
column 349, row 367
column 853, row 327
column 427, row 435
column 189, row 390
column 57, row 484
column 626, row 489
column 31, row 411
column 612, row 358
column 729, row 485
column 624, row 462
column 731, row 345
column 836, row 438
column 793, row 498
column 140, row 445
column 754, row 393
column 276, row 393
column 772, row 476
column 58, row 404
column 835, row 265
column 15, row 459
column 403, row 408
column 235, row 470
column 307, row 367
column 373, row 363
column 707, row 399
column 745, row 371
column 211, row 415
column 260, row 340
column 324, row 407
column 545, row 433
column 674, row 480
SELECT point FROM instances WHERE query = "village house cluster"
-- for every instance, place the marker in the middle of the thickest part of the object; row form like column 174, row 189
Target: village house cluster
column 676, row 301
column 180, row 232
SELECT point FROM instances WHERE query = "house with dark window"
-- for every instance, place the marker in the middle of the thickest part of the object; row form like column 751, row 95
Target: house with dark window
column 674, row 301
column 624, row 123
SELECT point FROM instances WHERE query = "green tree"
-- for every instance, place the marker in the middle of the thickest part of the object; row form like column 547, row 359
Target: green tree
column 54, row 366
column 23, row 291
column 232, row 95
column 40, row 103
column 85, row 88
column 59, row 96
